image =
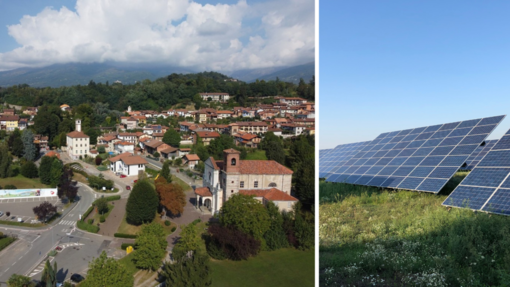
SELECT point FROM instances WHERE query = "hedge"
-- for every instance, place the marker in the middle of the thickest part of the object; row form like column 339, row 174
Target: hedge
column 124, row 246
column 108, row 198
column 87, row 213
column 87, row 227
column 4, row 242
column 124, row 235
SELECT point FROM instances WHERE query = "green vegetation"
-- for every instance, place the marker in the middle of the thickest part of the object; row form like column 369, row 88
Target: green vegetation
column 5, row 241
column 408, row 238
column 150, row 246
column 142, row 203
column 256, row 155
column 104, row 271
column 19, row 281
column 22, row 182
column 128, row 264
column 87, row 227
column 188, row 271
column 280, row 268
column 129, row 229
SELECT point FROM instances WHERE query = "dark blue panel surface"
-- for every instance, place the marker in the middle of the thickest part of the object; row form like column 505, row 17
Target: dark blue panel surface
column 416, row 143
column 503, row 143
column 440, row 134
column 457, row 160
column 422, row 171
column 499, row 202
column 443, row 172
column 389, row 170
column 378, row 180
column 482, row 130
column 424, row 151
column 398, row 161
column 393, row 152
column 424, row 136
column 403, row 171
column 460, row 132
column 407, row 152
column 374, row 170
column 432, row 143
column 491, row 120
column 470, row 123
column 488, row 177
column 384, row 161
column 352, row 179
column 432, row 128
column 393, row 181
column 364, row 179
column 442, row 150
column 414, row 161
column 473, row 139
column 380, row 153
column 371, row 161
column 410, row 183
column 496, row 158
column 464, row 149
column 432, row 185
column 432, row 160
column 362, row 170
column 469, row 197
column 410, row 138
column 401, row 145
column 451, row 141
column 449, row 126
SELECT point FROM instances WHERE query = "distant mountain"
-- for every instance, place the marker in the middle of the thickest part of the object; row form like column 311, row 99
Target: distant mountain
column 286, row 74
column 80, row 74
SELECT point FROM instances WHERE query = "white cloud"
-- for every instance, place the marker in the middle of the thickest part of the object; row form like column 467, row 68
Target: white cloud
column 172, row 32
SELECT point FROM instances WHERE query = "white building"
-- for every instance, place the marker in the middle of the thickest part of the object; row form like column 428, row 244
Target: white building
column 127, row 164
column 123, row 146
column 217, row 97
column 78, row 143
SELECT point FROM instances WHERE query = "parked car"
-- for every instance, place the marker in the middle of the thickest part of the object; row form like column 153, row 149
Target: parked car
column 1, row 213
column 58, row 248
column 122, row 176
column 77, row 278
column 128, row 187
column 13, row 217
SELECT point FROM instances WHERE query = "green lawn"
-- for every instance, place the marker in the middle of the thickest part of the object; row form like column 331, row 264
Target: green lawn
column 22, row 182
column 373, row 237
column 257, row 154
column 127, row 262
column 280, row 268
column 127, row 228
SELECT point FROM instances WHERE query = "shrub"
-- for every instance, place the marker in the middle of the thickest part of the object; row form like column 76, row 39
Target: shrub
column 234, row 244
column 196, row 221
column 101, row 149
column 174, row 228
column 10, row 186
column 101, row 219
column 102, row 205
column 29, row 169
column 87, row 227
column 90, row 221
column 156, row 154
column 124, row 246
column 167, row 222
column 214, row 249
column 87, row 213
column 124, row 235
column 6, row 241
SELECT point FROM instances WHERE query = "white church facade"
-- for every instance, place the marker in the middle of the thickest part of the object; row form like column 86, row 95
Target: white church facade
column 78, row 143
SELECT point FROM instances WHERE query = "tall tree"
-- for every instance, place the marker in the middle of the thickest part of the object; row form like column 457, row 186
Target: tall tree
column 142, row 203
column 275, row 236
column 107, row 272
column 234, row 244
column 49, row 275
column 67, row 188
column 19, row 281
column 172, row 137
column 193, row 272
column 150, row 247
column 187, row 244
column 165, row 171
column 17, row 147
column 246, row 214
column 56, row 172
column 171, row 196
column 45, row 169
column 5, row 161
column 29, row 169
column 29, row 148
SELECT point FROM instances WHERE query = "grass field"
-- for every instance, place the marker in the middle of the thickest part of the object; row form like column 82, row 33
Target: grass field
column 280, row 268
column 133, row 229
column 371, row 237
column 256, row 155
column 127, row 262
column 22, row 182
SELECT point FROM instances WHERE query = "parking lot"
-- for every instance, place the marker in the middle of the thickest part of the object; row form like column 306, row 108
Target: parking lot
column 22, row 207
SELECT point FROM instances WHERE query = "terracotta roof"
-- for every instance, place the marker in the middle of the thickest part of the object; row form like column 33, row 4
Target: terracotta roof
column 192, row 157
column 109, row 138
column 231, row 150
column 153, row 143
column 185, row 149
column 158, row 134
column 213, row 94
column 52, row 153
column 76, row 134
column 64, row 106
column 14, row 118
column 203, row 191
column 142, row 140
column 169, row 150
column 272, row 194
column 262, row 167
column 257, row 124
column 224, row 112
column 135, row 159
column 127, row 134
column 124, row 143
column 248, row 137
column 118, row 157
column 274, row 130
column 208, row 134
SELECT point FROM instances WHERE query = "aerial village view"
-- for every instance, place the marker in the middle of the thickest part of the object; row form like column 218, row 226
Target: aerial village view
column 159, row 175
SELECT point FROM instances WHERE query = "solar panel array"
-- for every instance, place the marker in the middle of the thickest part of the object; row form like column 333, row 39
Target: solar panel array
column 338, row 157
column 487, row 186
column 422, row 159
column 478, row 154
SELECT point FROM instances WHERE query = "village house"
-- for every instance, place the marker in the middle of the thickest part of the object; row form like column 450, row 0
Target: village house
column 249, row 127
column 205, row 136
column 65, row 107
column 216, row 97
column 123, row 146
column 127, row 164
column 191, row 160
column 246, row 140
column 292, row 101
column 267, row 180
column 8, row 112
column 78, row 143
column 293, row 129
column 9, row 123
column 224, row 114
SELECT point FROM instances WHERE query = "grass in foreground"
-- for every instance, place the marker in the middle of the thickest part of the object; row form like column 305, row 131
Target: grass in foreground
column 404, row 238
column 127, row 228
column 22, row 182
column 280, row 268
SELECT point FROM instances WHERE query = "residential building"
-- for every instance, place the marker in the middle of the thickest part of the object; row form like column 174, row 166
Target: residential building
column 246, row 140
column 191, row 160
column 123, row 147
column 127, row 164
column 78, row 143
column 205, row 136
column 217, row 97
column 249, row 127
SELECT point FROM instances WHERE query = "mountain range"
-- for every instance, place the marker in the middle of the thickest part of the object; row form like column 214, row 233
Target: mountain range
column 81, row 74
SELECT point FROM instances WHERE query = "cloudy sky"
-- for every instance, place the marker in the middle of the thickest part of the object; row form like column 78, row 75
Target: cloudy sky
column 203, row 34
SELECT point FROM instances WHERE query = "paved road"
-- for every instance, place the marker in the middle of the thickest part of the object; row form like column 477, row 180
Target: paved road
column 180, row 175
column 33, row 244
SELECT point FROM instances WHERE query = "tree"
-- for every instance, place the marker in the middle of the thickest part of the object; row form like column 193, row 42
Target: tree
column 98, row 160
column 101, row 149
column 29, row 148
column 56, row 172
column 29, row 169
column 19, row 281
column 142, row 203
column 245, row 213
column 187, row 244
column 45, row 169
column 178, row 161
column 107, row 272
column 235, row 244
column 305, row 181
column 49, row 275
column 193, row 272
column 275, row 236
column 67, row 188
column 150, row 247
column 165, row 171
column 171, row 196
column 17, row 147
column 274, row 151
column 102, row 205
column 172, row 137
column 44, row 210
column 14, row 135
column 304, row 228
column 5, row 161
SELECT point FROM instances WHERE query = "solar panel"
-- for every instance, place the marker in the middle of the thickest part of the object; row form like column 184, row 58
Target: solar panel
column 487, row 186
column 421, row 159
column 337, row 157
column 478, row 154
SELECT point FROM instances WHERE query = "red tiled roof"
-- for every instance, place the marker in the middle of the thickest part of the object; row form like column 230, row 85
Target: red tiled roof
column 169, row 150
column 203, row 191
column 208, row 134
column 256, row 124
column 118, row 157
column 272, row 194
column 52, row 153
column 192, row 157
column 153, row 143
column 262, row 167
column 135, row 159
column 76, row 134
column 124, row 143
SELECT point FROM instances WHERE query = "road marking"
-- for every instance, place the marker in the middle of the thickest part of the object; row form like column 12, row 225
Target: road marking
column 67, row 222
column 39, row 268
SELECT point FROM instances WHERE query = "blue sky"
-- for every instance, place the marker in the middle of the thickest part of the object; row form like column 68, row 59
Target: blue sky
column 219, row 35
column 392, row 65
